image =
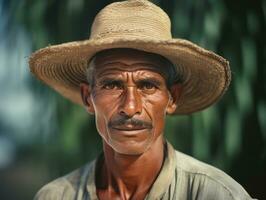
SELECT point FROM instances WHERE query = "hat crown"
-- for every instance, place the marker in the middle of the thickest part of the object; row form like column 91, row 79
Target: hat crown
column 132, row 18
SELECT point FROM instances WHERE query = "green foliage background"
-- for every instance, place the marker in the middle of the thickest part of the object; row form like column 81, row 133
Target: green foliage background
column 230, row 135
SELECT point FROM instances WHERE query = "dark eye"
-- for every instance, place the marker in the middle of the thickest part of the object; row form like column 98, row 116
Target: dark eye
column 114, row 85
column 147, row 86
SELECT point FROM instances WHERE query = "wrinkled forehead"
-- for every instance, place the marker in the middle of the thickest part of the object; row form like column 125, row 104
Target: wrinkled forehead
column 130, row 60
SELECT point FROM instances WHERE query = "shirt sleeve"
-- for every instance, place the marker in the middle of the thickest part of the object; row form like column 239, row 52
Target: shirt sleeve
column 213, row 189
column 56, row 190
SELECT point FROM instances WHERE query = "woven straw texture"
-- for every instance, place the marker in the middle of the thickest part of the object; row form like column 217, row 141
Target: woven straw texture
column 141, row 25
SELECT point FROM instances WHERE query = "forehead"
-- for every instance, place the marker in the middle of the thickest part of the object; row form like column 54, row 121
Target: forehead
column 129, row 60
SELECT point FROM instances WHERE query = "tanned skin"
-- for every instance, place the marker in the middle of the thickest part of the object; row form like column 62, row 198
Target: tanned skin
column 130, row 101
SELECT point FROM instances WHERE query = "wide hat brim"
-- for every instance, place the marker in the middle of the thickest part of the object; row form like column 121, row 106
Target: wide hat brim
column 206, row 76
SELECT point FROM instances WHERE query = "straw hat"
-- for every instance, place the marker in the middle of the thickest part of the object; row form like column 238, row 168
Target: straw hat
column 141, row 25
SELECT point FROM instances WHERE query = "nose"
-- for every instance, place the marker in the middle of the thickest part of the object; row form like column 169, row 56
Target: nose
column 130, row 103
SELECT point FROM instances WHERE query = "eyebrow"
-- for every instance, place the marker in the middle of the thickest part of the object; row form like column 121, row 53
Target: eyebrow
column 108, row 80
column 151, row 80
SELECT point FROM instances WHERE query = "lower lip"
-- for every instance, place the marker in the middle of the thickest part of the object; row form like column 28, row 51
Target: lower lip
column 130, row 133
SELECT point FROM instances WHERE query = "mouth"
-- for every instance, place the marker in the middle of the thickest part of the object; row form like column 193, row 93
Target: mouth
column 129, row 128
column 130, row 131
column 125, row 128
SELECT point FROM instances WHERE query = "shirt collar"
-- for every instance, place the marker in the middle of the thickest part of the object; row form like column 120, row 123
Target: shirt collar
column 163, row 181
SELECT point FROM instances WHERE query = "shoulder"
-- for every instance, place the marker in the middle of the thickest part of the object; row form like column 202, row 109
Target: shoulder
column 65, row 187
column 207, row 181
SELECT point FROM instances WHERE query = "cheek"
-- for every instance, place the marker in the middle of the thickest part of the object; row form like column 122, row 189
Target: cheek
column 104, row 108
column 104, row 104
column 155, row 106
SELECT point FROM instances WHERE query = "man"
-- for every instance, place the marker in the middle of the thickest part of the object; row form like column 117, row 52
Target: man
column 130, row 74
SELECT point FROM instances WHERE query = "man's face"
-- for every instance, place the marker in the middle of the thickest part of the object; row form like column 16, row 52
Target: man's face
column 130, row 100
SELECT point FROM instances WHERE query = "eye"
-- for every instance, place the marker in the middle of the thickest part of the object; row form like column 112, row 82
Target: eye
column 147, row 86
column 113, row 85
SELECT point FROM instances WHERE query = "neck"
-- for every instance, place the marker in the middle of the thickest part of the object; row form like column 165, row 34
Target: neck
column 129, row 176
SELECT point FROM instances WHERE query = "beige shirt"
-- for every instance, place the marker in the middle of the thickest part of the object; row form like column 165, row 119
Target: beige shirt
column 182, row 177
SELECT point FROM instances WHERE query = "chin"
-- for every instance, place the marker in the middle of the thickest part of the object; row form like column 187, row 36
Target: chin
column 130, row 147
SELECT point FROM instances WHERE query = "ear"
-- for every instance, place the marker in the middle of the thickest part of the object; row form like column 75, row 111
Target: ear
column 175, row 93
column 85, row 91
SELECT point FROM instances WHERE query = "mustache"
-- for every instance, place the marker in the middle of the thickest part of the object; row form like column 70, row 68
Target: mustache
column 121, row 121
